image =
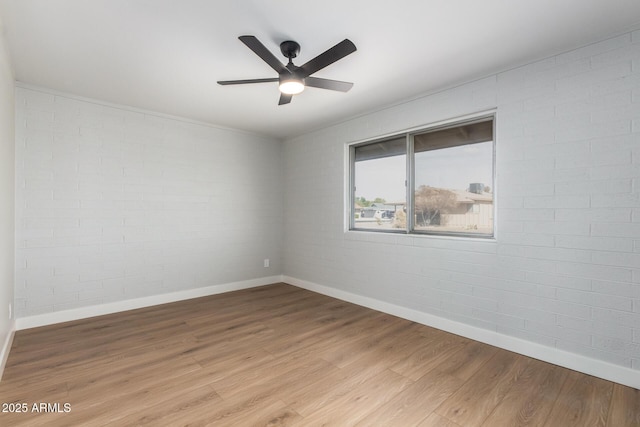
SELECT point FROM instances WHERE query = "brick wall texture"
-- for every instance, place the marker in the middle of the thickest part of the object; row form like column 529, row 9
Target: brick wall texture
column 114, row 204
column 564, row 268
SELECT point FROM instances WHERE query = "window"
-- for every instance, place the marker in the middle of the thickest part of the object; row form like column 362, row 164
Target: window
column 433, row 181
column 380, row 173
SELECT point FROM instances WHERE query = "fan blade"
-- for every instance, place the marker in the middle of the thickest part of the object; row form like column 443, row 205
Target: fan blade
column 242, row 82
column 285, row 99
column 339, row 51
column 264, row 53
column 328, row 84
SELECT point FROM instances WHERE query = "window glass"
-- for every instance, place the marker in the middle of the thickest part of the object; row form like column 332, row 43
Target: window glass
column 453, row 176
column 453, row 189
column 379, row 185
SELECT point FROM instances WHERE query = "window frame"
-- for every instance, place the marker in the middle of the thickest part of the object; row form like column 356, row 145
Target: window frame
column 410, row 173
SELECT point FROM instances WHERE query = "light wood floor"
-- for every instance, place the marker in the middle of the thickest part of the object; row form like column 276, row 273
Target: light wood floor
column 279, row 355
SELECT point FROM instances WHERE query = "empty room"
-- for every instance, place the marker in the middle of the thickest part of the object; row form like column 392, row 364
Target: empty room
column 338, row 213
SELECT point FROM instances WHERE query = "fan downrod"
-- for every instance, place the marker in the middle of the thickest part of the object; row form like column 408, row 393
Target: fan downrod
column 290, row 49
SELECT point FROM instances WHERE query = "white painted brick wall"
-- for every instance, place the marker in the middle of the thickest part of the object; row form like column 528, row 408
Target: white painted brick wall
column 113, row 204
column 7, row 196
column 564, row 269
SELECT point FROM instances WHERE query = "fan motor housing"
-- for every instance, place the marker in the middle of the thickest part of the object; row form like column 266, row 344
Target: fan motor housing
column 290, row 49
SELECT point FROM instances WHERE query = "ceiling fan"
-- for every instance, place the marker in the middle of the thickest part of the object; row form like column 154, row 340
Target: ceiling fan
column 291, row 78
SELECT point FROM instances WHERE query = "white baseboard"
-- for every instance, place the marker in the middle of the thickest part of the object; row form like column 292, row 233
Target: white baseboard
column 131, row 304
column 6, row 347
column 576, row 362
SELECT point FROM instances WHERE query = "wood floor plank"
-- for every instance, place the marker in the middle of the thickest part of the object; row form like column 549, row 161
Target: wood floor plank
column 625, row 407
column 171, row 411
column 478, row 397
column 274, row 413
column 251, row 377
column 531, row 397
column 466, row 362
column 282, row 356
column 316, row 396
column 87, row 385
column 140, row 386
column 260, row 410
column 429, row 355
column 315, row 390
column 388, row 344
column 435, row 420
column 413, row 404
column 583, row 401
column 12, row 393
column 360, row 401
column 282, row 383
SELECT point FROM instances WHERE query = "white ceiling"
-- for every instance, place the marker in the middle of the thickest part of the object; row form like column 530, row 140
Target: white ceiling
column 166, row 55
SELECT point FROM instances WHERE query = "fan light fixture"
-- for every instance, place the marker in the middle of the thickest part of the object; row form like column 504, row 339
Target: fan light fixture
column 291, row 85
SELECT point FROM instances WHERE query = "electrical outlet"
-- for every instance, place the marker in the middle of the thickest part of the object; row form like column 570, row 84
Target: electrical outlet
column 266, row 263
